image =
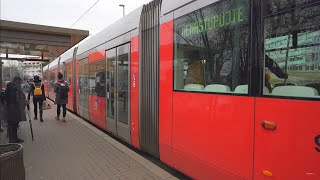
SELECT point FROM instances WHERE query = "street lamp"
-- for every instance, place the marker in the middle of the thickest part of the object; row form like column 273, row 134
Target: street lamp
column 123, row 7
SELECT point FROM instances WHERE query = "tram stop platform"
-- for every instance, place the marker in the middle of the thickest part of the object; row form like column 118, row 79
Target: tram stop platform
column 77, row 150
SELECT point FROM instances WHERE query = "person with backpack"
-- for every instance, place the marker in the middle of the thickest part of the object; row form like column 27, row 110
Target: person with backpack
column 37, row 91
column 61, row 89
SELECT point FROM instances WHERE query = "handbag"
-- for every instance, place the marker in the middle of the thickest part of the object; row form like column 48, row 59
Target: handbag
column 46, row 106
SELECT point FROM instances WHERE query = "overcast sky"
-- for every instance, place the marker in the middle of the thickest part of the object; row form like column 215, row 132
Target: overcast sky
column 64, row 13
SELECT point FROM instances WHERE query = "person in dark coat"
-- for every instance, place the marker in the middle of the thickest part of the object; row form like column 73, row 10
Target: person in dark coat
column 38, row 94
column 15, row 108
column 2, row 105
column 61, row 89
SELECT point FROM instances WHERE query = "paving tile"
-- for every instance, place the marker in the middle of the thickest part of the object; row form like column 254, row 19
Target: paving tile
column 72, row 150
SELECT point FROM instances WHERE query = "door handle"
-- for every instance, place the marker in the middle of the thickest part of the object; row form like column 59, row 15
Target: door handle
column 268, row 125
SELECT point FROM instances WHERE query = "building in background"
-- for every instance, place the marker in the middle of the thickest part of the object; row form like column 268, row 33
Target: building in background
column 30, row 69
column 11, row 69
column 305, row 57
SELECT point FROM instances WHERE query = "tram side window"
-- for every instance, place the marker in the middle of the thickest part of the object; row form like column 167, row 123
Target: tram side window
column 211, row 48
column 52, row 80
column 97, row 79
column 44, row 78
column 67, row 73
column 62, row 70
column 292, row 50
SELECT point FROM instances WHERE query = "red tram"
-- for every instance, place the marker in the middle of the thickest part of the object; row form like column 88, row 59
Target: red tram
column 217, row 89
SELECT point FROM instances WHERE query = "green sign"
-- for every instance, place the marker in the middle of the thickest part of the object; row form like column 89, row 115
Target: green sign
column 225, row 18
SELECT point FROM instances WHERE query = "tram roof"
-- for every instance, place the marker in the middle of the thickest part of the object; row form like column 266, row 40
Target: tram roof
column 45, row 67
column 169, row 5
column 122, row 26
column 54, row 63
column 67, row 55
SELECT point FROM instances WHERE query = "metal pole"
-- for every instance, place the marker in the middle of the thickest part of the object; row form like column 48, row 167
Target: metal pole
column 123, row 8
column 1, row 108
column 1, row 72
column 287, row 57
column 30, row 123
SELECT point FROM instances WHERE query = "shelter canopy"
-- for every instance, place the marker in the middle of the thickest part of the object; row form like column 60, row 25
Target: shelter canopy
column 41, row 42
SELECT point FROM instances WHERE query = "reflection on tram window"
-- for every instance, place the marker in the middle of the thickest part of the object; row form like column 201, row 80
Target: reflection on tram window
column 67, row 73
column 211, row 49
column 292, row 47
column 45, row 76
column 122, row 87
column 123, row 70
column 274, row 6
column 52, row 79
column 110, row 96
column 97, row 79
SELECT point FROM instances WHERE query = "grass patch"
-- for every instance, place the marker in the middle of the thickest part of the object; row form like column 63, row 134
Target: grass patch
column 308, row 75
column 275, row 81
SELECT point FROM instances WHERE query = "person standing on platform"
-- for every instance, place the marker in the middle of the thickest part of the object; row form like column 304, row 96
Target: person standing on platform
column 15, row 108
column 61, row 89
column 2, row 105
column 37, row 91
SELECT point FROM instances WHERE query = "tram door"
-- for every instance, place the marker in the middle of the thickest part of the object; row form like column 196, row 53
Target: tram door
column 83, row 88
column 118, row 103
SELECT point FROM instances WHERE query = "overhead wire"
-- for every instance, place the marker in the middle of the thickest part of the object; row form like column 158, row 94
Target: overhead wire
column 84, row 13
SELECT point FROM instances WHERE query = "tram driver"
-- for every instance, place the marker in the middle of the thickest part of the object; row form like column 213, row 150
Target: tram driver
column 275, row 69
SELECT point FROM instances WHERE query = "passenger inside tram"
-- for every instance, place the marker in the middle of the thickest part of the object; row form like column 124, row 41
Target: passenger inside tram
column 275, row 69
column 195, row 71
column 100, row 86
column 200, row 72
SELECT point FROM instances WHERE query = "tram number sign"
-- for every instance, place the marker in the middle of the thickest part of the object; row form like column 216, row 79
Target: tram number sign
column 317, row 142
